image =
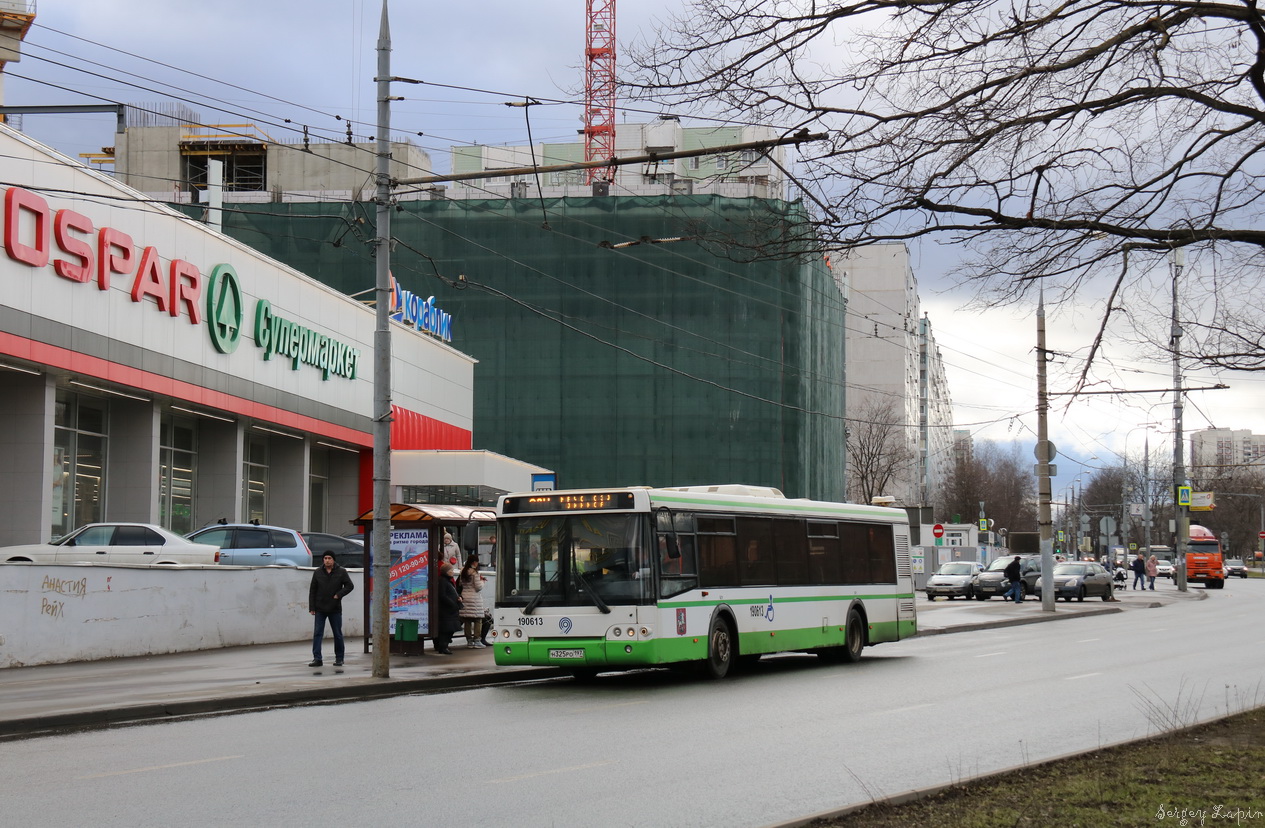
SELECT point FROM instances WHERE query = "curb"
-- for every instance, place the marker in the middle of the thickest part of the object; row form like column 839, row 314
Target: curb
column 35, row 726
column 1017, row 622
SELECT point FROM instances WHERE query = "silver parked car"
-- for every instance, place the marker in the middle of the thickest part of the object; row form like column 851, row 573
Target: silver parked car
column 249, row 544
column 115, row 543
column 1080, row 580
column 953, row 580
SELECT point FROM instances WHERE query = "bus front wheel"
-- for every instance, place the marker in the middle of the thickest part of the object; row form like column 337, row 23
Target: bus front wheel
column 720, row 648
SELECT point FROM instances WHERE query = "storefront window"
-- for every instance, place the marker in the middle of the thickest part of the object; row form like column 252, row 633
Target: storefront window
column 177, row 472
column 255, row 479
column 79, row 447
column 317, row 479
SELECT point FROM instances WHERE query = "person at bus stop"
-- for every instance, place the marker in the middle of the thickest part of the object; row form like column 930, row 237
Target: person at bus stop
column 448, row 619
column 330, row 583
column 1152, row 569
column 1138, row 566
column 471, row 584
column 1014, row 574
column 452, row 552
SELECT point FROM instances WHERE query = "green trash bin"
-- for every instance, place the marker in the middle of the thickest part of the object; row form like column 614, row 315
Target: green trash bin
column 406, row 629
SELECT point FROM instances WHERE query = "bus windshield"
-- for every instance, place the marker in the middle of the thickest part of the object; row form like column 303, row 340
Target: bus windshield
column 565, row 560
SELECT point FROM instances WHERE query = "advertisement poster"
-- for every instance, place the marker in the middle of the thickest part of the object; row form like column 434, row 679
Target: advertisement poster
column 410, row 578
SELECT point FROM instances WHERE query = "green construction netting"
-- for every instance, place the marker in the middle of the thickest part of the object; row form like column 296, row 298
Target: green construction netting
column 664, row 364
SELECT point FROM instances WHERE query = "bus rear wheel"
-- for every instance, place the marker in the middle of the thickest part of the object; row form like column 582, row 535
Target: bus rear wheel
column 720, row 648
column 854, row 638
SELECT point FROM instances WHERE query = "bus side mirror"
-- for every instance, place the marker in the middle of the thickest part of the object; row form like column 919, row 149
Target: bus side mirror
column 470, row 537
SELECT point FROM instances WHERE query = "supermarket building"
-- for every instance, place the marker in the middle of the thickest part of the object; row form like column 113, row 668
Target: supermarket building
column 152, row 369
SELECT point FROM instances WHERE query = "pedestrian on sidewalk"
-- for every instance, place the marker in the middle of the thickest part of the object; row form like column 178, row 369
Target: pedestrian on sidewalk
column 471, row 583
column 325, row 602
column 1139, row 570
column 448, row 620
column 1014, row 572
column 452, row 552
column 1152, row 569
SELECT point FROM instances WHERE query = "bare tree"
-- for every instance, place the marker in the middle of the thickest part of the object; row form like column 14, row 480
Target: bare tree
column 1240, row 505
column 879, row 450
column 1054, row 141
column 997, row 476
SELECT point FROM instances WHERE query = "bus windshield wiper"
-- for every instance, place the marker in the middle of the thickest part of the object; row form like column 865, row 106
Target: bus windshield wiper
column 588, row 589
column 535, row 602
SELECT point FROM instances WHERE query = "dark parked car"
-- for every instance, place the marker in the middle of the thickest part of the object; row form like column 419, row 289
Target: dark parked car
column 348, row 553
column 1079, row 580
column 1234, row 566
column 249, row 544
column 992, row 581
column 952, row 580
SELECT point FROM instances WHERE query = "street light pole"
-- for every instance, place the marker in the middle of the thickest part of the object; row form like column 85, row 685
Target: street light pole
column 1181, row 518
column 1045, row 455
column 380, row 541
column 1146, row 491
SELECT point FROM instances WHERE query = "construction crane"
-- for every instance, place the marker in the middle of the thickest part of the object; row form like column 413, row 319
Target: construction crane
column 599, row 88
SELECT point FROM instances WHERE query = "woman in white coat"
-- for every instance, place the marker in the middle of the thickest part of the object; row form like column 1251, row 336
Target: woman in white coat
column 470, row 582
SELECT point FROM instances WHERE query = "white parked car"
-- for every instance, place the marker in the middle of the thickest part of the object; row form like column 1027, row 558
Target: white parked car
column 953, row 580
column 133, row 543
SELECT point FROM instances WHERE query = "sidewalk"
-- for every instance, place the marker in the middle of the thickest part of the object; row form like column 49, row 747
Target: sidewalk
column 60, row 697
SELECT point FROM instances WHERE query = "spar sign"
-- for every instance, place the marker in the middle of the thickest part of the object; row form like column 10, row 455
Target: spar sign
column 38, row 236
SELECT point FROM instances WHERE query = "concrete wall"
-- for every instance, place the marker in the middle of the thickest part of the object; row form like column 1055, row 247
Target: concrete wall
column 86, row 612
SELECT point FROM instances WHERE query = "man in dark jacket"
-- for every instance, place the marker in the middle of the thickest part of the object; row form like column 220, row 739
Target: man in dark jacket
column 1139, row 570
column 325, row 601
column 1015, row 573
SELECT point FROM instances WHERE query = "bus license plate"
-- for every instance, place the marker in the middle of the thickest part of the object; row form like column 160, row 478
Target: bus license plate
column 566, row 653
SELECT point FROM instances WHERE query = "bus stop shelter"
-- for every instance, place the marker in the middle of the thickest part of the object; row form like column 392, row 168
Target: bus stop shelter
column 416, row 553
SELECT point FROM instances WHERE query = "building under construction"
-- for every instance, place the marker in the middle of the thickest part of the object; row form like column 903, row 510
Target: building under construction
column 618, row 341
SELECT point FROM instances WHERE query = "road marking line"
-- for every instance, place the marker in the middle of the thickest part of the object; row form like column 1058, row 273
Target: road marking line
column 1087, row 640
column 555, row 770
column 990, row 655
column 162, row 767
column 1086, row 675
column 911, row 707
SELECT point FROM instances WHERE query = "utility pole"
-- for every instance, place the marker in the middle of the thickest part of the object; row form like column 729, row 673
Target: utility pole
column 1146, row 492
column 380, row 540
column 1181, row 519
column 1045, row 455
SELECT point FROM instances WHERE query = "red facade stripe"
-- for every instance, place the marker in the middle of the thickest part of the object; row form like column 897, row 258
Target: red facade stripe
column 409, row 431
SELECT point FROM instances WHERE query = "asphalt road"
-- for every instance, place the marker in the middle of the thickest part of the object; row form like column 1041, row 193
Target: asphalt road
column 656, row 748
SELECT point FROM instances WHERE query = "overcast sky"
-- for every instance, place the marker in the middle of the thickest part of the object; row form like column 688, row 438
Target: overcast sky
column 313, row 62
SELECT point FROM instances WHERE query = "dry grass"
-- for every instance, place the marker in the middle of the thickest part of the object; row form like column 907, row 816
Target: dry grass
column 1215, row 771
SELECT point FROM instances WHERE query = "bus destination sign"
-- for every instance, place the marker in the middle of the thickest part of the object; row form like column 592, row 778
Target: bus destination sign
column 562, row 502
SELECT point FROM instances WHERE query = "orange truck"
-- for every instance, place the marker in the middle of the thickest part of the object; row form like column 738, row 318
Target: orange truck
column 1204, row 562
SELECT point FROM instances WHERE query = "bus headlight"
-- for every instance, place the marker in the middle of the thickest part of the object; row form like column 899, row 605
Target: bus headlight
column 518, row 633
column 645, row 632
column 618, row 632
column 631, row 632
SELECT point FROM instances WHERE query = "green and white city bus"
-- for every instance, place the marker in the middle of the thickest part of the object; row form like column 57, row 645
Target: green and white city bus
column 612, row 579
